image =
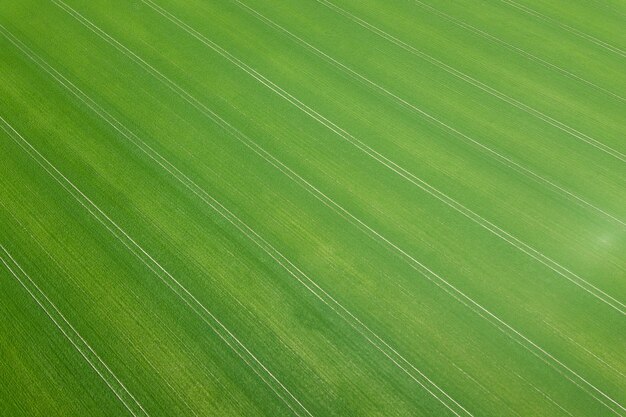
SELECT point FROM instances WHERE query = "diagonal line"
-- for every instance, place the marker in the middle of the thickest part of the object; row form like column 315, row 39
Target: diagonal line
column 172, row 283
column 476, row 83
column 520, row 51
column 407, row 175
column 294, row 271
column 510, row 328
column 449, row 201
column 66, row 333
column 568, row 28
column 473, row 304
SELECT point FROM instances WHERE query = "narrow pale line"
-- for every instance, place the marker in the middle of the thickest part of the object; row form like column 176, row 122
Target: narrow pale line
column 509, row 336
column 568, row 28
column 320, row 195
column 564, row 272
column 613, row 10
column 496, row 230
column 502, row 159
column 255, row 74
column 488, row 391
column 448, row 284
column 68, row 274
column 246, row 229
column 133, row 246
column 478, row 84
column 599, row 359
column 66, row 335
column 545, row 395
column 516, row 49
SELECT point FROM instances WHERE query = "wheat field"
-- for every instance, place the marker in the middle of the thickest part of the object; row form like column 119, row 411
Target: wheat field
column 312, row 208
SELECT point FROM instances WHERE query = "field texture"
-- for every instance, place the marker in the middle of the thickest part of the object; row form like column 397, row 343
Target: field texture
column 313, row 208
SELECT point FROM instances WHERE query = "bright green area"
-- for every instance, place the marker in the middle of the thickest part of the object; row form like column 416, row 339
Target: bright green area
column 396, row 208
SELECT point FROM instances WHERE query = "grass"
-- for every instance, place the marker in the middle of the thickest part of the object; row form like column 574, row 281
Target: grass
column 312, row 208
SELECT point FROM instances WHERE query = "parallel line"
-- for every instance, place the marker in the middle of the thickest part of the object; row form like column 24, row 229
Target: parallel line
column 367, row 333
column 478, row 84
column 172, row 283
column 337, row 129
column 568, row 28
column 86, row 349
column 441, row 196
column 520, row 51
column 546, row 354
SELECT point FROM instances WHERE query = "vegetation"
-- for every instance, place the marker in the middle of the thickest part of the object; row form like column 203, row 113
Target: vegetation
column 312, row 208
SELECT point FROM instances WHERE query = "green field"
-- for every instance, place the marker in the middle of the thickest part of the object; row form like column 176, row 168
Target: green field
column 313, row 208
